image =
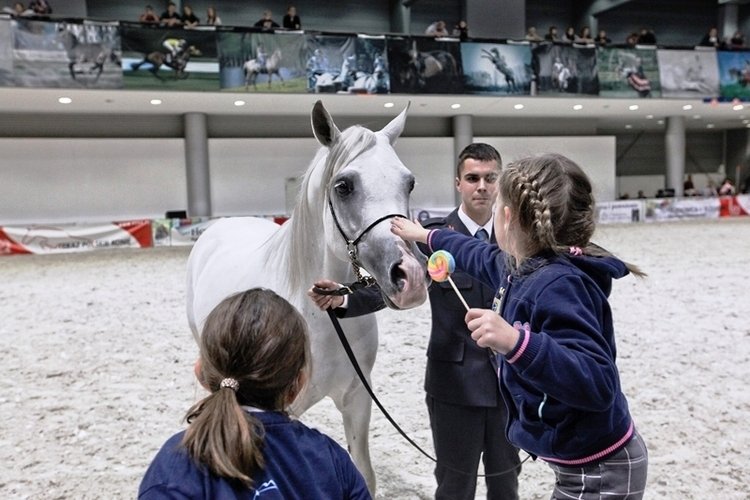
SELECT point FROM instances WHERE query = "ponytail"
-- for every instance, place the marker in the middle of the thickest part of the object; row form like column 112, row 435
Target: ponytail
column 224, row 437
column 596, row 251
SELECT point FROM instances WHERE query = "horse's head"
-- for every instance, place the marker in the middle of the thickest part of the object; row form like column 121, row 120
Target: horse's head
column 365, row 185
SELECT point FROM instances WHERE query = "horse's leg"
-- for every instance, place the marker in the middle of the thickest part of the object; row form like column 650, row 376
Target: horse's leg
column 356, row 408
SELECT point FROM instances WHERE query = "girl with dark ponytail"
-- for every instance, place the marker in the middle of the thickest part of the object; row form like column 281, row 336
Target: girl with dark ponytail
column 240, row 442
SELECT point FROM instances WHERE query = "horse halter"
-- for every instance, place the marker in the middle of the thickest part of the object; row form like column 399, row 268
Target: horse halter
column 351, row 248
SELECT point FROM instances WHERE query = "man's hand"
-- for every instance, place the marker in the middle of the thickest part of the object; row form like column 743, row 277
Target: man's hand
column 325, row 301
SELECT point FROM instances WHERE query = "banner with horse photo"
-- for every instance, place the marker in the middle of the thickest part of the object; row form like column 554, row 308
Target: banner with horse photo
column 66, row 54
column 169, row 58
column 261, row 62
column 734, row 74
column 6, row 53
column 563, row 69
column 628, row 73
column 492, row 68
column 688, row 73
column 328, row 63
column 421, row 65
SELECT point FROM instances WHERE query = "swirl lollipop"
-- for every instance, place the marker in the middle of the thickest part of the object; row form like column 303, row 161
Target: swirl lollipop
column 440, row 265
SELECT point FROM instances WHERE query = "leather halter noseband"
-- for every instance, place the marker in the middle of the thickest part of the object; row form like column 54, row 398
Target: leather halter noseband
column 351, row 248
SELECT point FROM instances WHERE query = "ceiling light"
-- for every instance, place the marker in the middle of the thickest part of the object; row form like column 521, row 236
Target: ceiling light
column 388, row 105
column 455, row 106
column 628, row 126
column 687, row 107
column 660, row 122
column 649, row 117
column 633, row 107
column 65, row 100
column 696, row 117
column 710, row 125
column 738, row 107
column 578, row 107
column 518, row 106
column 239, row 103
column 155, row 102
column 746, row 121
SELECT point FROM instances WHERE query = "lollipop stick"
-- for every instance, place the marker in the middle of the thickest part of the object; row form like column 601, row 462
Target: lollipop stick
column 463, row 301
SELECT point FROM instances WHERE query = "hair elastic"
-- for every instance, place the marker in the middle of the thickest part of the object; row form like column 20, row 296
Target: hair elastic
column 231, row 383
column 576, row 251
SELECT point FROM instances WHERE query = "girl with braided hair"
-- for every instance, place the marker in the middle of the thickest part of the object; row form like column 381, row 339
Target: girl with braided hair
column 240, row 442
column 550, row 330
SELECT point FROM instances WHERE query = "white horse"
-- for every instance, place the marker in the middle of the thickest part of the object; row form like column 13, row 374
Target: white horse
column 353, row 186
column 271, row 67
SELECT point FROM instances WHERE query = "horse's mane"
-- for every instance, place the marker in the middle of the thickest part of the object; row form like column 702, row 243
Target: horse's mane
column 307, row 232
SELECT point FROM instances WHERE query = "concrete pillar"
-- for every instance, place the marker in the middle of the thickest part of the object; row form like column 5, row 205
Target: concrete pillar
column 400, row 16
column 675, row 153
column 463, row 135
column 196, row 165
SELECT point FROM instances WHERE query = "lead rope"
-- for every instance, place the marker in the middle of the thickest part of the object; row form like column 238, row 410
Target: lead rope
column 361, row 375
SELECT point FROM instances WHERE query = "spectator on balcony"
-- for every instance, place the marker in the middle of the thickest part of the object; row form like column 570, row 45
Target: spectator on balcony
column 189, row 19
column 737, row 41
column 552, row 35
column 602, row 39
column 18, row 10
column 461, row 30
column 570, row 35
column 40, row 7
column 711, row 39
column 632, row 40
column 212, row 18
column 171, row 17
column 148, row 16
column 437, row 29
column 266, row 22
column 532, row 35
column 646, row 37
column 584, row 36
column 291, row 20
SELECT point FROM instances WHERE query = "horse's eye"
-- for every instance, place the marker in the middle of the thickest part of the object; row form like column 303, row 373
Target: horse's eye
column 343, row 188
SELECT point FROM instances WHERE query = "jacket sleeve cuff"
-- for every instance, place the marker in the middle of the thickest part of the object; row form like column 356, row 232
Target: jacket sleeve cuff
column 429, row 239
column 526, row 349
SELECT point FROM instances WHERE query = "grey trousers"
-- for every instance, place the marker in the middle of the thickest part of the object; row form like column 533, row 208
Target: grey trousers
column 621, row 476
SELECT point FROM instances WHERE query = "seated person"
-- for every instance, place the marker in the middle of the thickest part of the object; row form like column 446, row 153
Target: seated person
column 532, row 35
column 266, row 22
column 170, row 17
column 40, row 7
column 437, row 29
column 148, row 16
column 189, row 19
column 291, row 20
column 18, row 10
column 212, row 18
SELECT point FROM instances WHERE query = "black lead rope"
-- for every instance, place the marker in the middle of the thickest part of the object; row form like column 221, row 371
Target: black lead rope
column 355, row 364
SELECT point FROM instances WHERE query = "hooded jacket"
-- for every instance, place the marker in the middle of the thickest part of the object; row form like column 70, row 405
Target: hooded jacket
column 560, row 381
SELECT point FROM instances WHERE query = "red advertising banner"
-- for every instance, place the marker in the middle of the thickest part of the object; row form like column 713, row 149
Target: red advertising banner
column 66, row 238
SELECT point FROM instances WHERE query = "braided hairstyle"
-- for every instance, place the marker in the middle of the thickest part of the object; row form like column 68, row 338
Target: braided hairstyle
column 552, row 203
column 259, row 339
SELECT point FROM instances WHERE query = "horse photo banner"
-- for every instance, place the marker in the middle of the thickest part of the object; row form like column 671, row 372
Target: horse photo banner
column 494, row 68
column 66, row 54
column 564, row 69
column 113, row 55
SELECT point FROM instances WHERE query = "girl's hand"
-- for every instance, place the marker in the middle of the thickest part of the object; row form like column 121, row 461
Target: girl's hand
column 409, row 230
column 488, row 329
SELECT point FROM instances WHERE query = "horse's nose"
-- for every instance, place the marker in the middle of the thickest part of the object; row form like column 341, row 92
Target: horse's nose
column 398, row 276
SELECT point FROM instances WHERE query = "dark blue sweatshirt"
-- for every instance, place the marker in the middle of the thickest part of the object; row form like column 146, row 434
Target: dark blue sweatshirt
column 301, row 463
column 560, row 381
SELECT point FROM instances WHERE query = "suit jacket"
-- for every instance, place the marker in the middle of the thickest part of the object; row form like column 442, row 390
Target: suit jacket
column 458, row 371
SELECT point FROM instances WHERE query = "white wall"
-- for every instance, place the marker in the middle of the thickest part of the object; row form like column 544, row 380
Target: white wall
column 77, row 180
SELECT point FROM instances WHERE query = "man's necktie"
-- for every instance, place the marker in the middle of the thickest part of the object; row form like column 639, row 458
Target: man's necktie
column 481, row 234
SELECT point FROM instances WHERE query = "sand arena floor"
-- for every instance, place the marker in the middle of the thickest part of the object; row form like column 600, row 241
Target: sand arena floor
column 97, row 360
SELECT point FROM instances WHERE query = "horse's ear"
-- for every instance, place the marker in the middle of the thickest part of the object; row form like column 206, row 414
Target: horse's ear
column 324, row 129
column 393, row 130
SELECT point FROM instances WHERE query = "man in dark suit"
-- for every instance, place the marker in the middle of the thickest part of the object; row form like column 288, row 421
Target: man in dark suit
column 467, row 415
